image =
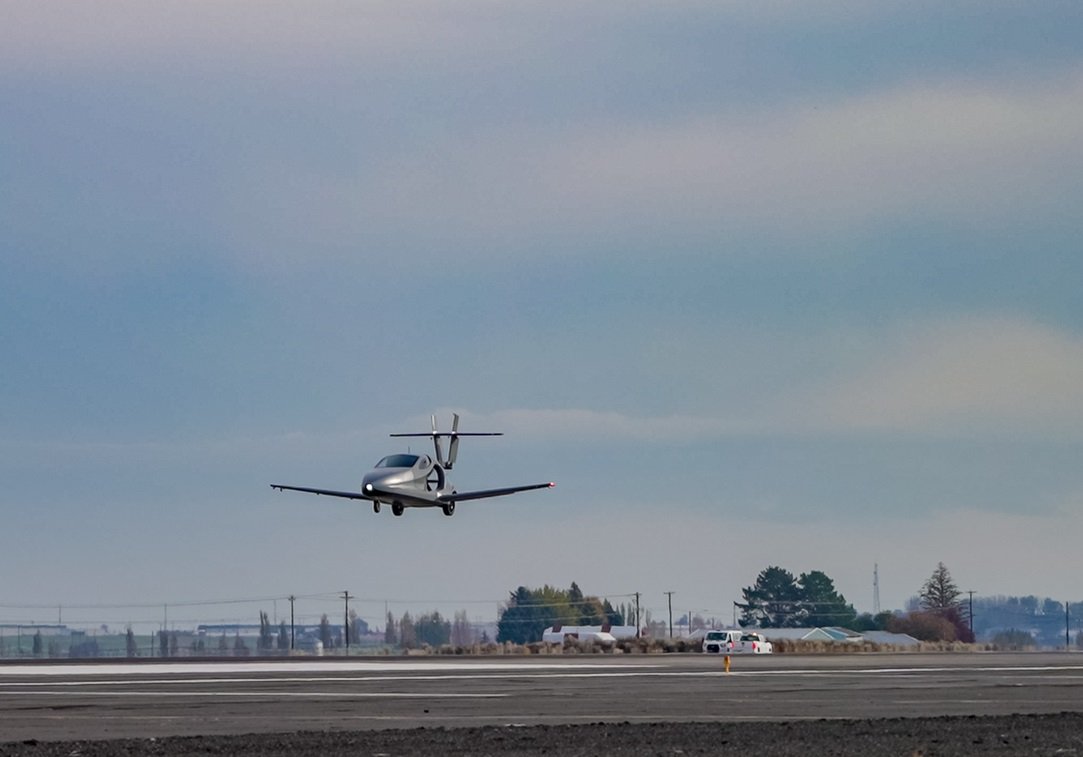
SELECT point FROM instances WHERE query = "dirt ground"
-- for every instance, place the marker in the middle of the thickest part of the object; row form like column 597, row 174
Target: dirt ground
column 1010, row 735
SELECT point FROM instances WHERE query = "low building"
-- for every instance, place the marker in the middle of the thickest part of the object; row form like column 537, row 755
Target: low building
column 825, row 633
column 605, row 634
column 8, row 630
column 893, row 639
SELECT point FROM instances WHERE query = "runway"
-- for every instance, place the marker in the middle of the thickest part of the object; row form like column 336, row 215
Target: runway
column 143, row 699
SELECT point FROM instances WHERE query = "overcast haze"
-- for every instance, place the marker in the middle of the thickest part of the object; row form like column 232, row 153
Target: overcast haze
column 790, row 284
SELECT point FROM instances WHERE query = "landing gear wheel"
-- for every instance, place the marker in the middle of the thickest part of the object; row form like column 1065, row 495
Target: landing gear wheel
column 449, row 509
column 375, row 507
column 397, row 508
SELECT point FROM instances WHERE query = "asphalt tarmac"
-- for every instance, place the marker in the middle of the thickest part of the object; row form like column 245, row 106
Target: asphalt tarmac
column 95, row 701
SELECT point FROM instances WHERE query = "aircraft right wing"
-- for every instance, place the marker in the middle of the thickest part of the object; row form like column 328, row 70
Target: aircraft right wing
column 326, row 492
column 463, row 496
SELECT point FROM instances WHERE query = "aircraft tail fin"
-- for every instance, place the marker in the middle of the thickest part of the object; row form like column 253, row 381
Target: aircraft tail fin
column 453, row 447
column 436, row 443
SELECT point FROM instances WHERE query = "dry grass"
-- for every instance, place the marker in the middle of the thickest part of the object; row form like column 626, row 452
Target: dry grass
column 647, row 646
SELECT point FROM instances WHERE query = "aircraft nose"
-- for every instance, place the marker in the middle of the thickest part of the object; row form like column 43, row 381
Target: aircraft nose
column 379, row 482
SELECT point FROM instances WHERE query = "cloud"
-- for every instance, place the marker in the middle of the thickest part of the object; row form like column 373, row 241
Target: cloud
column 583, row 423
column 969, row 150
column 272, row 36
column 1004, row 375
column 69, row 34
column 999, row 374
column 290, row 137
column 969, row 154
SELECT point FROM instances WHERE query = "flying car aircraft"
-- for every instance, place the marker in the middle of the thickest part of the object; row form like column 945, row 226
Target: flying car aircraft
column 407, row 480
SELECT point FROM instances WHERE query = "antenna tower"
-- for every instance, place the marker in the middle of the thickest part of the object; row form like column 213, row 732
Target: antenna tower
column 875, row 589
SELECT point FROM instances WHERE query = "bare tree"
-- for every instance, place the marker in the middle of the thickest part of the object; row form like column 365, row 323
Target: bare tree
column 325, row 631
column 462, row 635
column 358, row 627
column 391, row 635
column 939, row 593
column 266, row 635
column 407, row 632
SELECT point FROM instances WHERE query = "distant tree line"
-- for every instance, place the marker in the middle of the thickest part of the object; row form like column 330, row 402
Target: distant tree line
column 430, row 629
column 779, row 599
column 1042, row 621
column 530, row 611
column 940, row 614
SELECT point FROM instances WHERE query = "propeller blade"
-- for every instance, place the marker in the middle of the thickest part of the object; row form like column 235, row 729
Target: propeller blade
column 436, row 442
column 453, row 448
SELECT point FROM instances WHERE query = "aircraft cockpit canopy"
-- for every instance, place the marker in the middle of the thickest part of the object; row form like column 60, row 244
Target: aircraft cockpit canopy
column 397, row 461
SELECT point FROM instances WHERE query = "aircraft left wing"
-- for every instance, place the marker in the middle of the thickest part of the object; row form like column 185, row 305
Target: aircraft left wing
column 463, row 496
column 326, row 492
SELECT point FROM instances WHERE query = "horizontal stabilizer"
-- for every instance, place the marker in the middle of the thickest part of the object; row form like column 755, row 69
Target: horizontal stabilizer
column 443, row 434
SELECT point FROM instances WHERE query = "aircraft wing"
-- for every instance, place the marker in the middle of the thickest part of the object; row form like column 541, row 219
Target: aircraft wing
column 327, row 492
column 463, row 496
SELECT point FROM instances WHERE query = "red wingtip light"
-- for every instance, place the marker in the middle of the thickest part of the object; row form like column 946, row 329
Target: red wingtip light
column 551, row 484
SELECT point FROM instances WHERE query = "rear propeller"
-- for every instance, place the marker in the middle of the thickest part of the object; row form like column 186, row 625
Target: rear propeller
column 435, row 481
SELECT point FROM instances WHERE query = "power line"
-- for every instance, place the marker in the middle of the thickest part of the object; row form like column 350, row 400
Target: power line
column 158, row 605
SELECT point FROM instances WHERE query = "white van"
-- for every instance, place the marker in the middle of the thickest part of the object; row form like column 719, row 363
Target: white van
column 721, row 641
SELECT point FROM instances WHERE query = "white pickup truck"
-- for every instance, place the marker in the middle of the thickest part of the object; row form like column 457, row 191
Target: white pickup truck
column 732, row 641
column 754, row 643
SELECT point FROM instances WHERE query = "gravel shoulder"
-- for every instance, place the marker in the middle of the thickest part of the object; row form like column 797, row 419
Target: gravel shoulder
column 1060, row 734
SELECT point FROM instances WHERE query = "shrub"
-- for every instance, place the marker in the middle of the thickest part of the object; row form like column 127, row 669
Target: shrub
column 925, row 626
column 1013, row 639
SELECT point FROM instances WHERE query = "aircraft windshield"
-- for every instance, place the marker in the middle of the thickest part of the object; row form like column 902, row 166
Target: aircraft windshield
column 397, row 461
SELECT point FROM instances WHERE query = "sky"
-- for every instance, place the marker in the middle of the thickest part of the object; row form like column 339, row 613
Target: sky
column 755, row 284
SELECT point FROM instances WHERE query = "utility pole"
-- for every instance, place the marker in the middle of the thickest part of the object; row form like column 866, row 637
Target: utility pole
column 1066, row 637
column 291, row 621
column 637, row 614
column 971, row 593
column 346, row 617
column 669, row 595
